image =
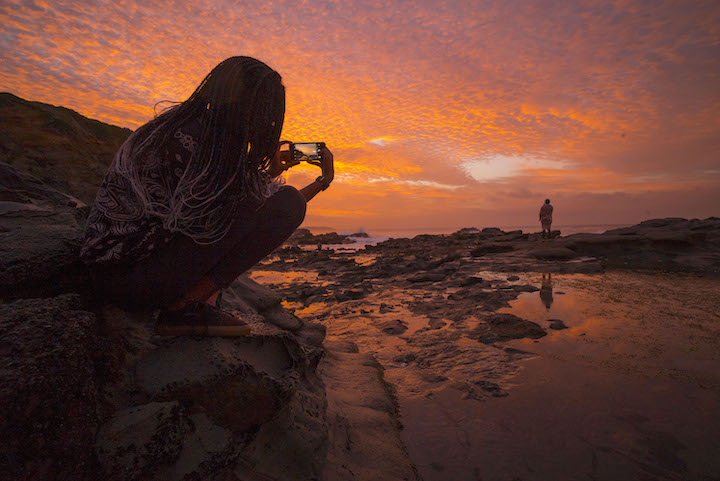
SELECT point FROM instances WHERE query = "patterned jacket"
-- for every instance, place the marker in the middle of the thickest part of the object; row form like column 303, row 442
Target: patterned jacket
column 118, row 231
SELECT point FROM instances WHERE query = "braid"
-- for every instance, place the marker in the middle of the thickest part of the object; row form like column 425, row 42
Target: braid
column 241, row 106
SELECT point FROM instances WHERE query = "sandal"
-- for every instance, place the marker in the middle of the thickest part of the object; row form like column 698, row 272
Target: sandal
column 200, row 319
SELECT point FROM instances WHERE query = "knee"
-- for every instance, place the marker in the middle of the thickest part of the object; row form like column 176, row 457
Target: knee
column 290, row 205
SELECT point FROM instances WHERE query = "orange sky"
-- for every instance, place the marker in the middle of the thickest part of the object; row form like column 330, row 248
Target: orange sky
column 440, row 114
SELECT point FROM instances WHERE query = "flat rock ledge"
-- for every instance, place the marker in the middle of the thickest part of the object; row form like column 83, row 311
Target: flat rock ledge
column 665, row 245
column 94, row 394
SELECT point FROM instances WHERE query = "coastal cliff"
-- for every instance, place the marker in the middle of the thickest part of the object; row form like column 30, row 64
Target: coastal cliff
column 62, row 148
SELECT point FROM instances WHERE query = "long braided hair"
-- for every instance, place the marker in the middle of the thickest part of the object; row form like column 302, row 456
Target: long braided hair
column 240, row 106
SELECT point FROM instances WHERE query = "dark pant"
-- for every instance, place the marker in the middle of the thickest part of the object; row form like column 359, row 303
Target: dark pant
column 546, row 227
column 173, row 269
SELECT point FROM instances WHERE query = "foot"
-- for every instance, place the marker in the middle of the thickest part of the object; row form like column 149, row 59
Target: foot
column 200, row 319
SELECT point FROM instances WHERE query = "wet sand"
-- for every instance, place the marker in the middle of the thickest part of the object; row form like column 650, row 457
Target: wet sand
column 489, row 389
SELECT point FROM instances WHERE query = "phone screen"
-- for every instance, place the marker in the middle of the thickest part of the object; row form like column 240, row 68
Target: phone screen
column 307, row 151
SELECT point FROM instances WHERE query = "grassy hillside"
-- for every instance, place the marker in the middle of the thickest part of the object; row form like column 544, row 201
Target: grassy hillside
column 59, row 146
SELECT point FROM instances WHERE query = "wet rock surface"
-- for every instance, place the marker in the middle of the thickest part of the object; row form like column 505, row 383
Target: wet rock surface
column 395, row 326
column 433, row 309
column 365, row 425
column 433, row 317
column 557, row 324
column 464, row 343
column 503, row 327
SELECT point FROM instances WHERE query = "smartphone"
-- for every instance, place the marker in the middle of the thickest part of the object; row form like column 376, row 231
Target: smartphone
column 307, row 151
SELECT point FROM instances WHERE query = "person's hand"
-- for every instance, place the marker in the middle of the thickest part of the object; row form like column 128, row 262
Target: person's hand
column 281, row 161
column 328, row 174
column 327, row 166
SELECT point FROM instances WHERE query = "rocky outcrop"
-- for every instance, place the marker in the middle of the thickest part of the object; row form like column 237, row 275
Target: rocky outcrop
column 673, row 244
column 92, row 395
column 90, row 392
column 42, row 260
column 365, row 439
column 305, row 237
column 21, row 188
column 215, row 406
column 40, row 233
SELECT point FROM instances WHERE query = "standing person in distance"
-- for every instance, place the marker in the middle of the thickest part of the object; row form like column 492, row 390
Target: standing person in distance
column 546, row 212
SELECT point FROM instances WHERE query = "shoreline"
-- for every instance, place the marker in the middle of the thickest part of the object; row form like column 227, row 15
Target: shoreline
column 411, row 232
column 445, row 325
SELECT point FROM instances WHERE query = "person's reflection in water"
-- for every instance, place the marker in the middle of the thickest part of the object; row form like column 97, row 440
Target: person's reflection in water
column 546, row 294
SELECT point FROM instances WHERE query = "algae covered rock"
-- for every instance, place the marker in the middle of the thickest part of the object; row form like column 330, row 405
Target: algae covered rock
column 141, row 440
column 216, row 405
column 50, row 384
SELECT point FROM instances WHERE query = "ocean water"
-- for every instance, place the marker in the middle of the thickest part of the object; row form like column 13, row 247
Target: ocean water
column 380, row 235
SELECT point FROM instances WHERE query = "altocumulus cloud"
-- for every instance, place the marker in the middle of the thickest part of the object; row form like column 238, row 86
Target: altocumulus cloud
column 455, row 104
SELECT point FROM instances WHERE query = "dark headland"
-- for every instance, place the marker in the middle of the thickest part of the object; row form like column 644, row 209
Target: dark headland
column 89, row 392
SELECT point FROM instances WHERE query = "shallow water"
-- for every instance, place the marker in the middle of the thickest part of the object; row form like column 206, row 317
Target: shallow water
column 630, row 391
column 284, row 278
